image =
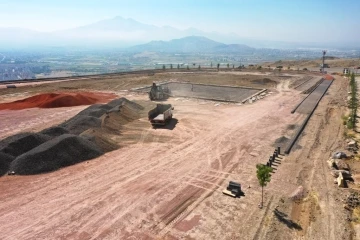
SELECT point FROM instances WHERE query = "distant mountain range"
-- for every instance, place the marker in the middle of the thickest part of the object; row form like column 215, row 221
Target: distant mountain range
column 115, row 32
column 122, row 32
column 192, row 44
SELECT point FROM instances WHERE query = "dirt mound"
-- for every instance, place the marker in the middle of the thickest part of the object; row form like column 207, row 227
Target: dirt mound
column 54, row 131
column 59, row 146
column 282, row 139
column 264, row 81
column 81, row 123
column 298, row 194
column 101, row 138
column 55, row 100
column 291, row 127
column 120, row 115
column 96, row 110
column 111, row 115
column 21, row 143
column 122, row 101
column 328, row 77
column 281, row 142
column 59, row 152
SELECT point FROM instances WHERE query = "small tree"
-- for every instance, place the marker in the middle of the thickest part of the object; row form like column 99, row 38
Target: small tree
column 171, row 66
column 218, row 66
column 353, row 103
column 228, row 65
column 164, row 67
column 178, row 66
column 264, row 177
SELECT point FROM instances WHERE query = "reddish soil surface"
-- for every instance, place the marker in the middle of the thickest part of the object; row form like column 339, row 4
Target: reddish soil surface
column 168, row 183
column 55, row 100
column 149, row 189
column 328, row 77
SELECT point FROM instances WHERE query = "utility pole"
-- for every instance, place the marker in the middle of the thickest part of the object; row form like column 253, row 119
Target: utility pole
column 323, row 62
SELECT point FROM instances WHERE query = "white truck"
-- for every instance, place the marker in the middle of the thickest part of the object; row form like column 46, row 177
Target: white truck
column 161, row 114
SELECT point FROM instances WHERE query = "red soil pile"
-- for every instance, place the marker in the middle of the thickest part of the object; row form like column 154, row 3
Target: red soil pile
column 328, row 77
column 55, row 100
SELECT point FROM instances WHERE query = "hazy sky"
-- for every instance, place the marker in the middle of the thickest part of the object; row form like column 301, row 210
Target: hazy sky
column 288, row 20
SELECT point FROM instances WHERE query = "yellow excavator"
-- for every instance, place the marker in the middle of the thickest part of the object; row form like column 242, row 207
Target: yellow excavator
column 159, row 92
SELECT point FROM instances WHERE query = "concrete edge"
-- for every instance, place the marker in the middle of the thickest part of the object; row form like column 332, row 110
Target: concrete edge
column 201, row 84
column 303, row 83
column 258, row 93
column 303, row 125
column 297, row 106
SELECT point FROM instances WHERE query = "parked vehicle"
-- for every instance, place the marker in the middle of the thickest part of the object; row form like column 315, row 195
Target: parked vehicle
column 161, row 114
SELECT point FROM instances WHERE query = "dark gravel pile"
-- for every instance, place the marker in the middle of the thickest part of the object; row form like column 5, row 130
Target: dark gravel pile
column 122, row 101
column 282, row 142
column 91, row 116
column 81, row 123
column 5, row 161
column 96, row 110
column 54, row 131
column 21, row 143
column 59, row 152
column 59, row 146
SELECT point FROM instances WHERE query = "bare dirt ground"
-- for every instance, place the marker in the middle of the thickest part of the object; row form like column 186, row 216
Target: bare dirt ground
column 320, row 215
column 34, row 119
column 337, row 62
column 126, row 82
column 167, row 183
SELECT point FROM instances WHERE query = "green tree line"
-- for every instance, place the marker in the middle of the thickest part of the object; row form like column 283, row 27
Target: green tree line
column 353, row 103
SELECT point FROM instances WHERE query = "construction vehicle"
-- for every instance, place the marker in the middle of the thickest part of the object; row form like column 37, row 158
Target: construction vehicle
column 233, row 189
column 159, row 92
column 161, row 114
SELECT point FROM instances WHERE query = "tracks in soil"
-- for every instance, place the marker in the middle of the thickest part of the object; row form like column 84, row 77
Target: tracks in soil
column 152, row 185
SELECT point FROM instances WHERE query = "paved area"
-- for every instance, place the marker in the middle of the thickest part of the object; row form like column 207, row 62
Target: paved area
column 308, row 105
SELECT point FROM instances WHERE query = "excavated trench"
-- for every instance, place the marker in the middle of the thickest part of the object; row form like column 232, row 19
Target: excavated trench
column 206, row 91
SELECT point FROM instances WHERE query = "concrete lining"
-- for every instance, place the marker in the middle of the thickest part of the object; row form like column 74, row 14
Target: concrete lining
column 223, row 93
column 303, row 82
column 297, row 106
column 303, row 125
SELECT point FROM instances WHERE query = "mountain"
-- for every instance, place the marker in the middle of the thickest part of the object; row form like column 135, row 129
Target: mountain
column 117, row 24
column 130, row 30
column 122, row 32
column 191, row 44
column 234, row 48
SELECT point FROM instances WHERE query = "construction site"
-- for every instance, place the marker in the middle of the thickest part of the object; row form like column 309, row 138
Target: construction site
column 80, row 159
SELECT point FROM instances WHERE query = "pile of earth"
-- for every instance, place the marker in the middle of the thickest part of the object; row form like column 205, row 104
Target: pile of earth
column 282, row 142
column 56, row 100
column 264, row 81
column 59, row 152
column 83, row 137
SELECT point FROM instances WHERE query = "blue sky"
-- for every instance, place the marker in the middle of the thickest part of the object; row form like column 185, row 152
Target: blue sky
column 288, row 20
